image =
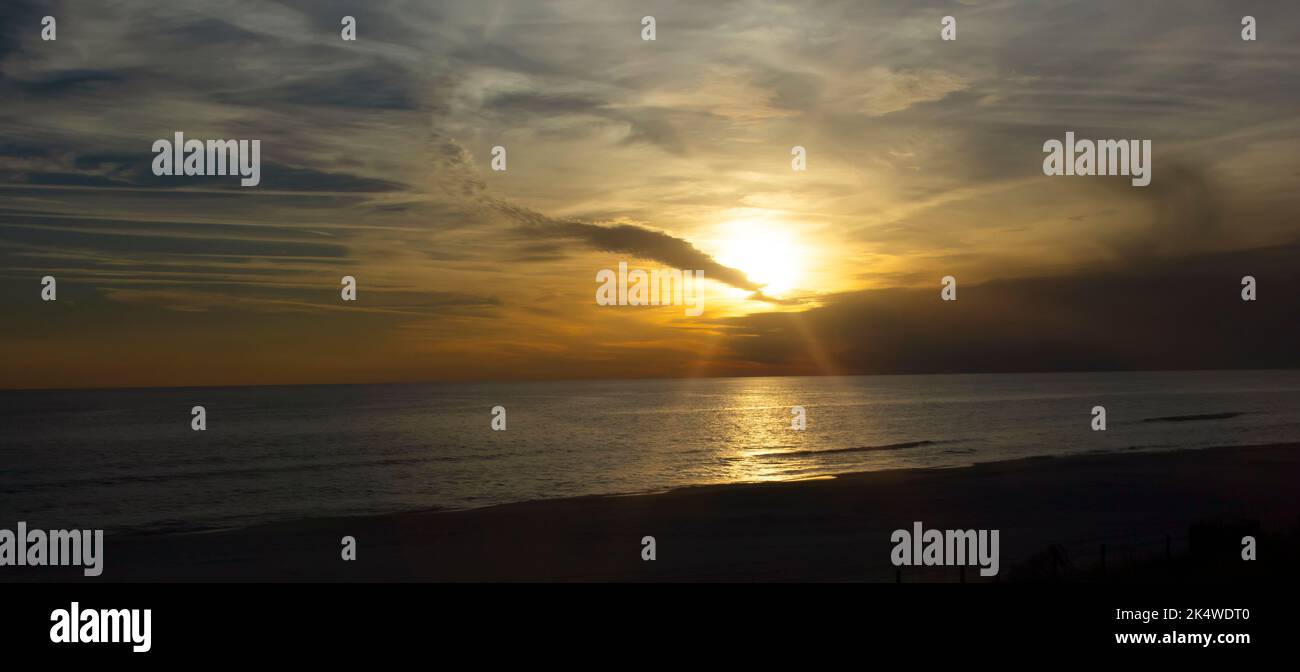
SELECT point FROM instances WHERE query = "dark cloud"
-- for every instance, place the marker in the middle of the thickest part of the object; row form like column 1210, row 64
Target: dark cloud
column 20, row 20
column 106, row 239
column 136, row 171
column 545, row 104
column 66, row 81
column 1180, row 314
column 627, row 239
column 1185, row 213
column 273, row 177
column 40, row 177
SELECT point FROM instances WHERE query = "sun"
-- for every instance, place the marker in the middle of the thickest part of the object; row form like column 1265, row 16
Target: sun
column 766, row 253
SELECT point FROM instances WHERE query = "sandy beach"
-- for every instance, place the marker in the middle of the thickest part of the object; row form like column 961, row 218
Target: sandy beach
column 1139, row 505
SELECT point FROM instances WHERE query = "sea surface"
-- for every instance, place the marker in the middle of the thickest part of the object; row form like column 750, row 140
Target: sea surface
column 128, row 460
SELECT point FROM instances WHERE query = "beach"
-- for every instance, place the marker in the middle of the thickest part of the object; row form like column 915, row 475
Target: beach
column 1139, row 505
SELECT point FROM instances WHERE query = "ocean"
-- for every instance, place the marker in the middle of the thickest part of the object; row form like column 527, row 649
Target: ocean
column 128, row 460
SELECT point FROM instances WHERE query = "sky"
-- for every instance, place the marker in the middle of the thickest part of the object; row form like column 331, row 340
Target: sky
column 924, row 160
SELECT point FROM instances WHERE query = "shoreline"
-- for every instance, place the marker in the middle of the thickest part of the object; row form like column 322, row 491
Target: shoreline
column 134, row 532
column 817, row 529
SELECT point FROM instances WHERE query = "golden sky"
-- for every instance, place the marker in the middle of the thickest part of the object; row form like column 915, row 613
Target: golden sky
column 924, row 160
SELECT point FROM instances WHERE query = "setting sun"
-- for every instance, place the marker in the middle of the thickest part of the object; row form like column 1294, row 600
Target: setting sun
column 767, row 254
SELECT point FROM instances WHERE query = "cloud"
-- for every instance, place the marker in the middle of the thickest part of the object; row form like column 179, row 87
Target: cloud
column 924, row 161
column 628, row 239
column 368, row 85
column 301, row 300
column 1175, row 314
column 56, row 83
column 895, row 90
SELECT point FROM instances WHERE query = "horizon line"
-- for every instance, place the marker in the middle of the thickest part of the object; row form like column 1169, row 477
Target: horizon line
column 628, row 379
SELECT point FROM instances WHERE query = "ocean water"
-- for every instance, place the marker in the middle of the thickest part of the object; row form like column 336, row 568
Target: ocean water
column 128, row 460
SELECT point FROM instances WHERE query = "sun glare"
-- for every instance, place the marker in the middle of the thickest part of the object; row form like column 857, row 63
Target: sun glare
column 765, row 253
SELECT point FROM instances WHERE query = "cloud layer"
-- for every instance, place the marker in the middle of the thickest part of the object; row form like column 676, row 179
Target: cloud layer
column 923, row 161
